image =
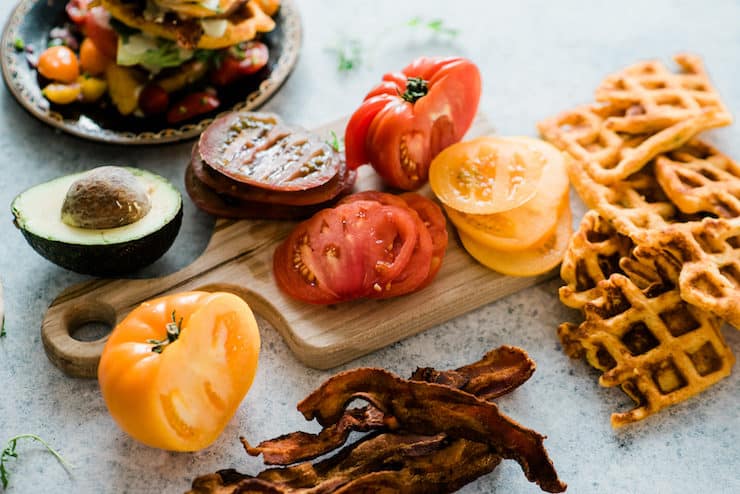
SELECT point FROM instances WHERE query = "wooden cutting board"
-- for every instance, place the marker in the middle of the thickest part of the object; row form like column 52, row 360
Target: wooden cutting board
column 238, row 259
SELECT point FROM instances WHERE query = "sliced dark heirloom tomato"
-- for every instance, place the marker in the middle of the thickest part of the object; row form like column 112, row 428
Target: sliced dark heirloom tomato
column 346, row 252
column 259, row 150
column 411, row 116
column 418, row 269
column 434, row 220
column 221, row 184
column 228, row 207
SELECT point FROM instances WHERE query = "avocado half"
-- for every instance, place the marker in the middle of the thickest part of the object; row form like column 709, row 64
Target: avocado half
column 106, row 252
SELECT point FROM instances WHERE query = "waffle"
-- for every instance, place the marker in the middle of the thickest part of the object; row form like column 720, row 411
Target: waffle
column 607, row 155
column 593, row 255
column 656, row 98
column 709, row 254
column 699, row 178
column 635, row 206
column 646, row 339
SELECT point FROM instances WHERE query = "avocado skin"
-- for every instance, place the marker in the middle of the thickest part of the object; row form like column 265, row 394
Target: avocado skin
column 108, row 259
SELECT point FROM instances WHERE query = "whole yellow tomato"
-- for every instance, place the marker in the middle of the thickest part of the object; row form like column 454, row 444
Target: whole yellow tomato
column 175, row 370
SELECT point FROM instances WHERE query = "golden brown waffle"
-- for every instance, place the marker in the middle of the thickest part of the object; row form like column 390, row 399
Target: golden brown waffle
column 644, row 338
column 655, row 98
column 634, row 206
column 607, row 155
column 709, row 254
column 593, row 255
column 699, row 178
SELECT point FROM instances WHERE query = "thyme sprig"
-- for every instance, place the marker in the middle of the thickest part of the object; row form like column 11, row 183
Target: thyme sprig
column 10, row 453
column 348, row 52
column 437, row 26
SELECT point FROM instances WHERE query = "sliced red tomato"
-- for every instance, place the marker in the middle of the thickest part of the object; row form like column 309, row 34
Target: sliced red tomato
column 240, row 61
column 434, row 220
column 97, row 28
column 222, row 184
column 258, row 149
column 346, row 252
column 411, row 116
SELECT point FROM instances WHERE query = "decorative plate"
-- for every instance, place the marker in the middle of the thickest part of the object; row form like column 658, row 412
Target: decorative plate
column 32, row 20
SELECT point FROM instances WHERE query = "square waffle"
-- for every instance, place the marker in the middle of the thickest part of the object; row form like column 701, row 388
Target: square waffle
column 655, row 98
column 699, row 178
column 638, row 331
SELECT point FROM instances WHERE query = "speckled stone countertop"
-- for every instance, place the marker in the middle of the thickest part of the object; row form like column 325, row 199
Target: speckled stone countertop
column 537, row 58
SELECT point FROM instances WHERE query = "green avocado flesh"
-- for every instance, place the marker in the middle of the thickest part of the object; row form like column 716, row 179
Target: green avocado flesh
column 112, row 251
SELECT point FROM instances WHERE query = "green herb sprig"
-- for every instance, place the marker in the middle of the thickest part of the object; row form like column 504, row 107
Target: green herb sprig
column 336, row 143
column 10, row 453
column 437, row 26
column 349, row 54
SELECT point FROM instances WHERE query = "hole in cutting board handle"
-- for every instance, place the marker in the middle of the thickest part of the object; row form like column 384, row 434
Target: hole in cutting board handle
column 90, row 322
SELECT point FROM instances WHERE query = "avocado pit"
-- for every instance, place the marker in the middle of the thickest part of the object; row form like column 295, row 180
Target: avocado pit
column 105, row 197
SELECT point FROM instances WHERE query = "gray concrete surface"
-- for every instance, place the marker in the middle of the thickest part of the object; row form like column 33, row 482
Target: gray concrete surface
column 537, row 58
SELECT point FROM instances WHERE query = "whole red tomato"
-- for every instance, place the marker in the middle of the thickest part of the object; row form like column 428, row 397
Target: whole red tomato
column 411, row 116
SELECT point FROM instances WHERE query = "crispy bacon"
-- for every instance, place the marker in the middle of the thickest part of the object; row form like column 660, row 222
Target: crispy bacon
column 497, row 373
column 378, row 463
column 432, row 434
column 427, row 408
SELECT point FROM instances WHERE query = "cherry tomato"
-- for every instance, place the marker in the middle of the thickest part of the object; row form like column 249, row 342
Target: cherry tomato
column 59, row 63
column 77, row 10
column 153, row 100
column 535, row 260
column 346, row 252
column 175, row 370
column 92, row 60
column 97, row 28
column 486, row 175
column 526, row 225
column 241, row 60
column 411, row 116
column 191, row 106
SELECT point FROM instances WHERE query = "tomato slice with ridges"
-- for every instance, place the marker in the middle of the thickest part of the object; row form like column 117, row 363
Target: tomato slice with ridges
column 222, row 184
column 486, row 175
column 346, row 252
column 259, row 150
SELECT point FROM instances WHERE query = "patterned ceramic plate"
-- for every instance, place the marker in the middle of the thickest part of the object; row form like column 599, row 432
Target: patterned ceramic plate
column 31, row 22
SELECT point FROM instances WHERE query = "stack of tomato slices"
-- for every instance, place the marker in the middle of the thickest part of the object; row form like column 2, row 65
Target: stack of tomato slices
column 372, row 245
column 252, row 165
column 508, row 198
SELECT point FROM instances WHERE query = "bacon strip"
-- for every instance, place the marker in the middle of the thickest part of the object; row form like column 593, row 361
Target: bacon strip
column 427, row 408
column 497, row 373
column 379, row 463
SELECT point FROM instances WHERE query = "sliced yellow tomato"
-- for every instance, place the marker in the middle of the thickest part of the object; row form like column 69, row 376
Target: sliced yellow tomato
column 528, row 224
column 124, row 85
column 529, row 262
column 486, row 175
column 62, row 94
column 92, row 88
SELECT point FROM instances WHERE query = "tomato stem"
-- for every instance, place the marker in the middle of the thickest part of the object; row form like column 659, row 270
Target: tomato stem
column 173, row 333
column 416, row 88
